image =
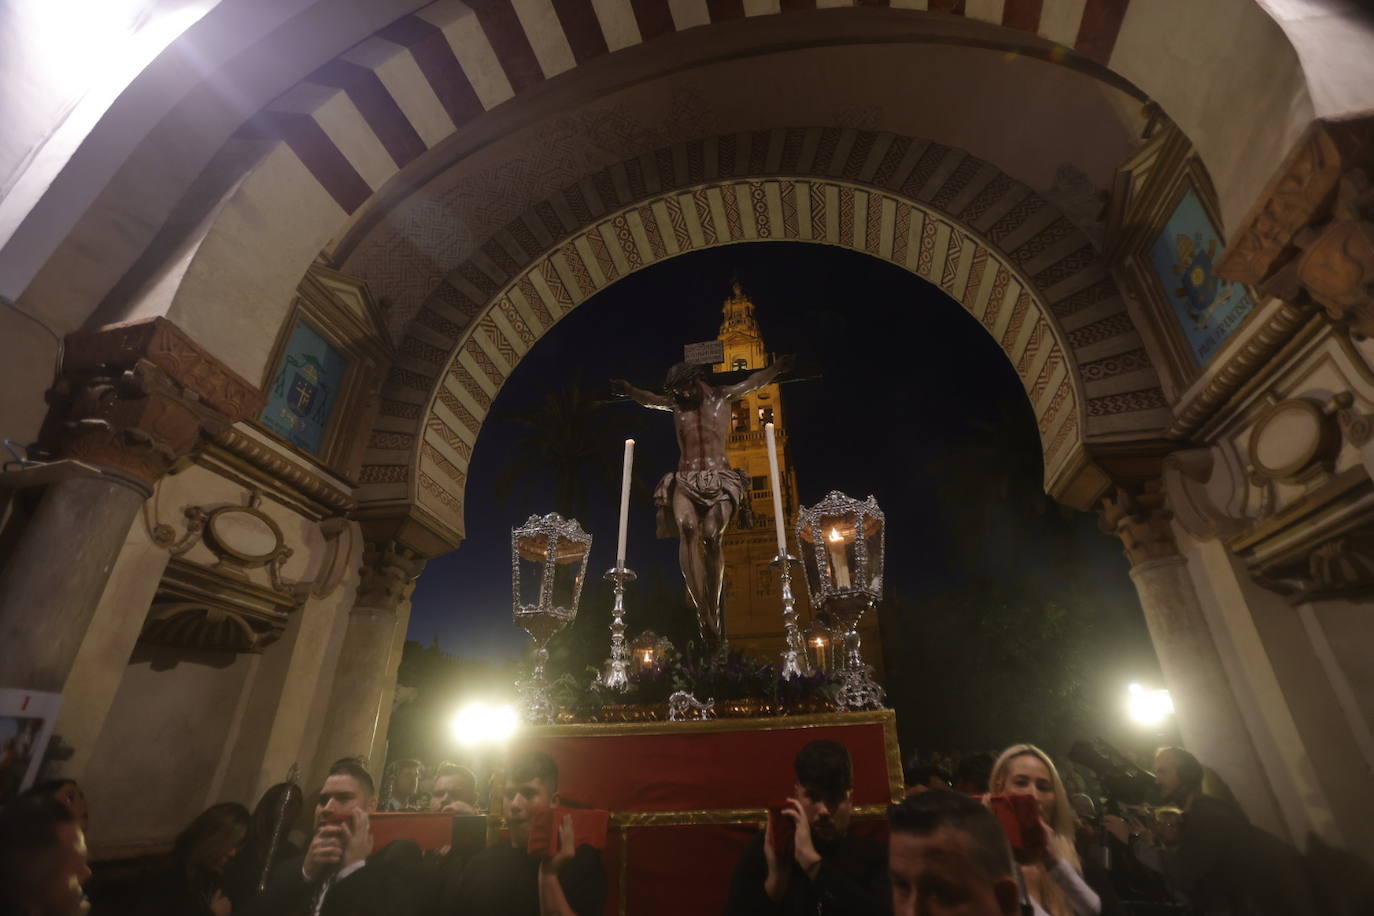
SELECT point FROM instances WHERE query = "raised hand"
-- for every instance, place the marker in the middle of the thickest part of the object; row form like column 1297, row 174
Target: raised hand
column 775, row 884
column 566, row 845
column 357, row 837
column 325, row 853
column 804, row 849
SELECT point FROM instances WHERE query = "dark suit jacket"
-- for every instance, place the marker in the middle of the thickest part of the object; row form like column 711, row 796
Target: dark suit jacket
column 851, row 881
column 394, row 882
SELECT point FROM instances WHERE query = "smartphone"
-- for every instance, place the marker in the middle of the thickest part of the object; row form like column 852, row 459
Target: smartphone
column 784, row 832
column 1019, row 816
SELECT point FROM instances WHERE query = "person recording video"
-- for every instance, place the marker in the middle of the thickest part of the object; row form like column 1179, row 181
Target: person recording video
column 1053, row 872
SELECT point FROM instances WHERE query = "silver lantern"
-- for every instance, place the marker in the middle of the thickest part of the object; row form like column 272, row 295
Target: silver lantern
column 549, row 564
column 842, row 551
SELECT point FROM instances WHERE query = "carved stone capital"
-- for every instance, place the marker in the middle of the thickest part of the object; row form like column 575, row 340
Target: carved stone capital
column 1311, row 235
column 140, row 398
column 388, row 571
column 1140, row 518
column 1336, row 267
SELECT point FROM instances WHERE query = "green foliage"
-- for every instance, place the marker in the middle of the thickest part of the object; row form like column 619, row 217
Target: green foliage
column 984, row 666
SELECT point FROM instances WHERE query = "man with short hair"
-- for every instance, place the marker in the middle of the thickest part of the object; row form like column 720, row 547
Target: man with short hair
column 1221, row 862
column 948, row 856
column 42, row 859
column 405, row 786
column 831, row 871
column 454, row 791
column 505, row 880
column 339, row 874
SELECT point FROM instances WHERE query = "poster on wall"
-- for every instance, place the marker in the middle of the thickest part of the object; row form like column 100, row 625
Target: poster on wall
column 301, row 399
column 1207, row 308
column 26, row 721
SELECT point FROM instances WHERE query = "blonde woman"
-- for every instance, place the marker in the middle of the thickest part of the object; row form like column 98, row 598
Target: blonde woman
column 1054, row 879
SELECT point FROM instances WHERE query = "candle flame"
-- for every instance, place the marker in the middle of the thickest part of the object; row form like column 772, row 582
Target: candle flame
column 835, row 535
column 647, row 656
column 818, row 642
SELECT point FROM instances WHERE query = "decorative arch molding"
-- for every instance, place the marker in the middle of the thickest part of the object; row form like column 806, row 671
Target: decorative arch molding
column 1013, row 261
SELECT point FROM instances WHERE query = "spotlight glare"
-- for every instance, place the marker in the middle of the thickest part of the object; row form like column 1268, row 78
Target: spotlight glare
column 1148, row 707
column 482, row 723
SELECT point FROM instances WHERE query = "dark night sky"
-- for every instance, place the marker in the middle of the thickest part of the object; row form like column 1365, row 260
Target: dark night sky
column 907, row 381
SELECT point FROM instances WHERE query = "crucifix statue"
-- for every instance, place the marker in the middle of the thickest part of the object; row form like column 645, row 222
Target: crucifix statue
column 696, row 502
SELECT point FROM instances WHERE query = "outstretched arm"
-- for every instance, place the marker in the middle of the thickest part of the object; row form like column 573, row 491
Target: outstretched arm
column 624, row 389
column 757, row 380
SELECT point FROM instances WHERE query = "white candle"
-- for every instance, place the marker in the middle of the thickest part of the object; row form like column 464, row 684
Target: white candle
column 838, row 562
column 624, row 503
column 778, row 521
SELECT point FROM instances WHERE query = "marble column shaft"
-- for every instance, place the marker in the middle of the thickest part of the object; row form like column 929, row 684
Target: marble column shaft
column 57, row 573
column 133, row 402
column 1206, row 710
column 366, row 669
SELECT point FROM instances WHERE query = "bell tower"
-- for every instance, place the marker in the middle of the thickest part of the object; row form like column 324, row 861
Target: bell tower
column 753, row 593
column 753, row 597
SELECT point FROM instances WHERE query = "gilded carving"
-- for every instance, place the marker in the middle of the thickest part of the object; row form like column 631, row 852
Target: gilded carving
column 138, row 420
column 142, row 397
column 1336, row 267
column 1293, row 200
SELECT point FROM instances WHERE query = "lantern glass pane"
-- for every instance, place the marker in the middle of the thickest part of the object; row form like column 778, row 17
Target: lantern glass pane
column 567, row 574
column 840, row 557
column 531, row 572
column 875, row 542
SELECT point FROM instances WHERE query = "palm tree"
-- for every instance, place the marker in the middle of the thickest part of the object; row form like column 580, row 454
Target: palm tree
column 570, row 436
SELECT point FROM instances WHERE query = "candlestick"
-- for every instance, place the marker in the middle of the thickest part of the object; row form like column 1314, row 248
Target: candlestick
column 624, row 503
column 615, row 674
column 838, row 561
column 778, row 520
column 794, row 662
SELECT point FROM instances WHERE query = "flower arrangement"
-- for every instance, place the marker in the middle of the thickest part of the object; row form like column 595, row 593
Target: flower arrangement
column 739, row 684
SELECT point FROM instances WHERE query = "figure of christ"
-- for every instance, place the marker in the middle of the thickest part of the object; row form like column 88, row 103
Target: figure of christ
column 696, row 502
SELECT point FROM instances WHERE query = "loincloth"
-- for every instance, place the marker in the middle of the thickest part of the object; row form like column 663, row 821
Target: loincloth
column 703, row 488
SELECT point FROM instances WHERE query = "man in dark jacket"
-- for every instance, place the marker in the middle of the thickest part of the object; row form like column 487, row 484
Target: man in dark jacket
column 1221, row 862
column 339, row 875
column 830, row 872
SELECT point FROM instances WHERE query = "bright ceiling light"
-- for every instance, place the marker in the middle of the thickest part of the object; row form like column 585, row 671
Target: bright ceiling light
column 1148, row 707
column 482, row 723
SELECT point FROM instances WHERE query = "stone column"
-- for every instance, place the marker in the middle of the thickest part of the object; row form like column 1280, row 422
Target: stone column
column 365, row 677
column 133, row 402
column 1209, row 719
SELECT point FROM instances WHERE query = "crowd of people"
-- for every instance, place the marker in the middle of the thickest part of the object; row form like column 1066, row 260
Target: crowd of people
column 999, row 837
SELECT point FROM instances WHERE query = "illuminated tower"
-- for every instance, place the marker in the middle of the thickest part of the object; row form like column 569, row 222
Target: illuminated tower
column 753, row 596
column 753, row 601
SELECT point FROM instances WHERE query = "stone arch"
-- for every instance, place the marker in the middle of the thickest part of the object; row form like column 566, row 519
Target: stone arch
column 324, row 154
column 1030, row 276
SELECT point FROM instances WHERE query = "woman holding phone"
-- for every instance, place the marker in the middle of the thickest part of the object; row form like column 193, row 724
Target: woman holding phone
column 1052, row 872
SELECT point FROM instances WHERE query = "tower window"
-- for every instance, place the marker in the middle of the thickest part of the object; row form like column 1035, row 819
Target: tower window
column 739, row 416
column 760, row 483
column 741, row 363
column 765, row 416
